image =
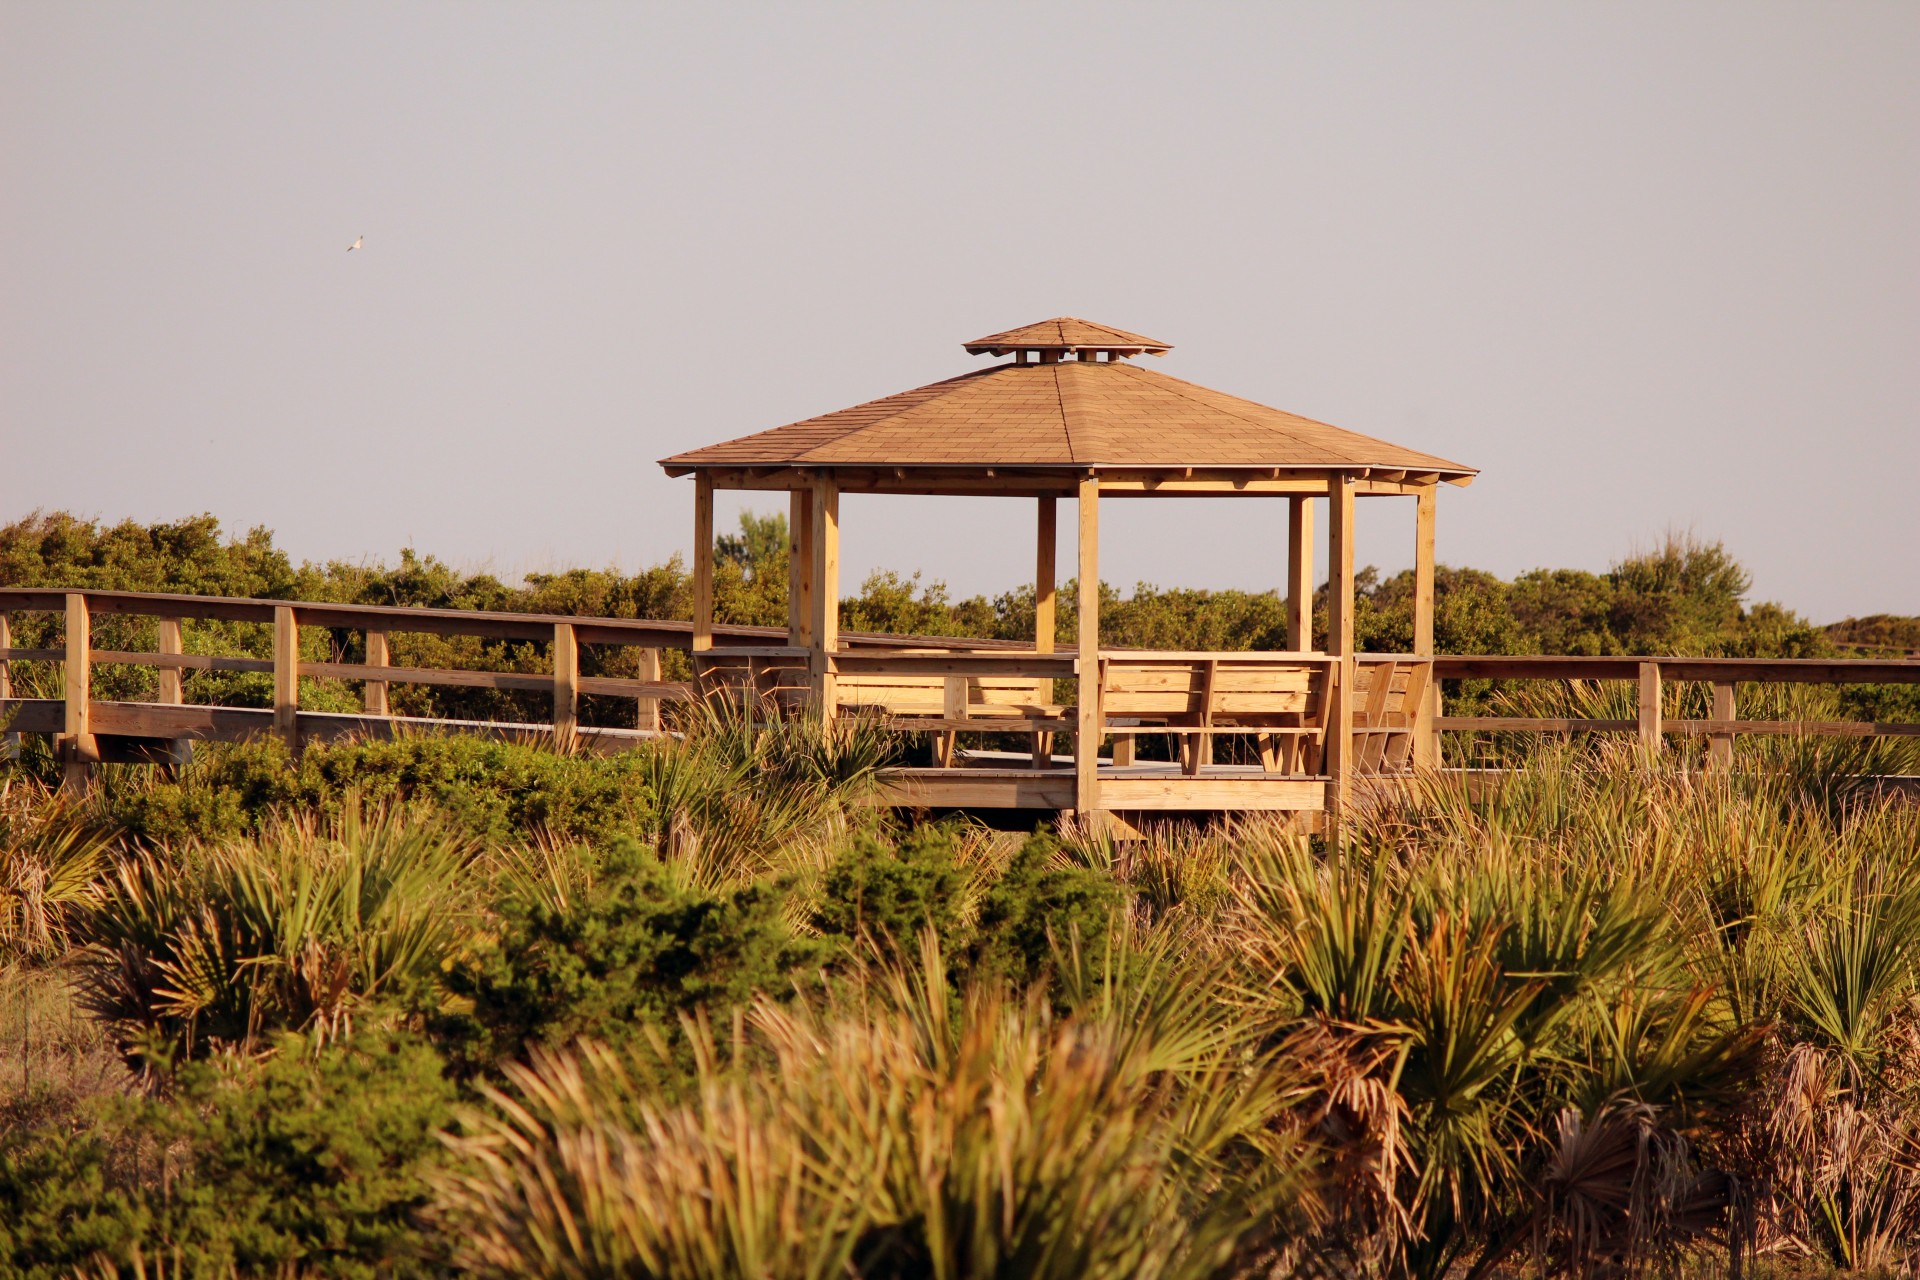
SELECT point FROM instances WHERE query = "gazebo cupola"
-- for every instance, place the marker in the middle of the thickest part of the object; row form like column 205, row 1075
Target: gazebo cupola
column 1073, row 416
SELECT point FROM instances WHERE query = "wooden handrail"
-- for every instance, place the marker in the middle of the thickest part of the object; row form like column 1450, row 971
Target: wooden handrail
column 644, row 632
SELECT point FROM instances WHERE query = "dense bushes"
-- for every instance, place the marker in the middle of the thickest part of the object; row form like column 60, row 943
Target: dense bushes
column 495, row 790
column 1588, row 1012
column 298, row 1162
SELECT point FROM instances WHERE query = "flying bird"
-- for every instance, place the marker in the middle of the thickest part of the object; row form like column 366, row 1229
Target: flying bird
column 356, row 244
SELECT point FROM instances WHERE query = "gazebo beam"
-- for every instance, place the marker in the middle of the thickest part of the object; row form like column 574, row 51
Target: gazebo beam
column 1086, row 744
column 1299, row 574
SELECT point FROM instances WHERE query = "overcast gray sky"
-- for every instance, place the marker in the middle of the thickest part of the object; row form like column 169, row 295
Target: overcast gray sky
column 1645, row 265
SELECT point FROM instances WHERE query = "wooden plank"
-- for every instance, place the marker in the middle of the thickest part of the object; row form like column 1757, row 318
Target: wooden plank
column 178, row 661
column 1087, row 731
column 1808, row 728
column 32, row 715
column 1371, row 751
column 977, row 724
column 702, row 563
column 1042, row 665
column 1416, row 712
column 1720, row 745
column 976, row 789
column 826, row 594
column 1533, row 724
column 1762, row 670
column 1300, row 573
column 34, row 655
column 566, row 682
column 1170, row 791
column 517, row 681
column 373, row 694
column 286, row 674
column 1650, row 707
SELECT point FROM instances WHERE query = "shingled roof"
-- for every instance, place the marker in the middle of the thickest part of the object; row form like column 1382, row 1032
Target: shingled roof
column 1067, row 334
column 1068, row 415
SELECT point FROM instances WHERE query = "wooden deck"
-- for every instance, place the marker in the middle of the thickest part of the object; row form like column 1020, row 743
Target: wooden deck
column 1000, row 723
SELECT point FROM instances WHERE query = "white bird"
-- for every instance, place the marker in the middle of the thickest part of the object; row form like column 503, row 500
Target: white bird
column 356, row 244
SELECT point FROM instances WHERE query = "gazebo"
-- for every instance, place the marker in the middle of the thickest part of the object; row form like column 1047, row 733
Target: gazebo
column 1071, row 415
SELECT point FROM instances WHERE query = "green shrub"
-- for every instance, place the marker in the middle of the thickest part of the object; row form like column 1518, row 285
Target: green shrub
column 315, row 1162
column 499, row 791
column 641, row 944
column 883, row 891
column 1038, row 904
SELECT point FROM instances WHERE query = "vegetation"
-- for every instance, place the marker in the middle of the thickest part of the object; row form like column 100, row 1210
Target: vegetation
column 441, row 1006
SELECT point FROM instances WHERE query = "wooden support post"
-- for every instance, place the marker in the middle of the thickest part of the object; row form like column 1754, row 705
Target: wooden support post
column 172, row 693
column 1423, row 715
column 1650, row 708
column 9, row 742
column 826, row 592
column 78, row 749
column 953, row 706
column 1086, row 744
column 702, row 562
column 566, row 682
column 797, row 510
column 373, row 693
column 800, row 616
column 286, row 674
column 1339, row 748
column 1046, row 557
column 1300, row 574
column 647, row 714
column 1720, row 745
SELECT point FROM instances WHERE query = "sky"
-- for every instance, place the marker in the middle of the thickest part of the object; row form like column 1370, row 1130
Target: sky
column 1650, row 267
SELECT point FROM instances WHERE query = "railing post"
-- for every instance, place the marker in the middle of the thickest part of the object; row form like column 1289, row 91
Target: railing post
column 1650, row 708
column 648, row 714
column 373, row 693
column 9, row 742
column 173, row 682
column 566, row 682
column 286, row 674
column 1720, row 744
column 172, row 693
column 78, row 749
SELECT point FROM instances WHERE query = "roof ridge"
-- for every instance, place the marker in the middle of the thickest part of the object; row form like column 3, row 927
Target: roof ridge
column 1066, row 419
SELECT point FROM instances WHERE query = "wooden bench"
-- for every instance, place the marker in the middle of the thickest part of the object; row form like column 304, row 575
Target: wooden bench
column 948, row 705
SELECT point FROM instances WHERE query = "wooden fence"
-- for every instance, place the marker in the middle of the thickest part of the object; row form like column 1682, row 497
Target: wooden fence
column 967, row 681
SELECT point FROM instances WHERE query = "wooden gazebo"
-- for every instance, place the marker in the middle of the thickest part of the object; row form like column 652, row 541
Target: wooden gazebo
column 1071, row 415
